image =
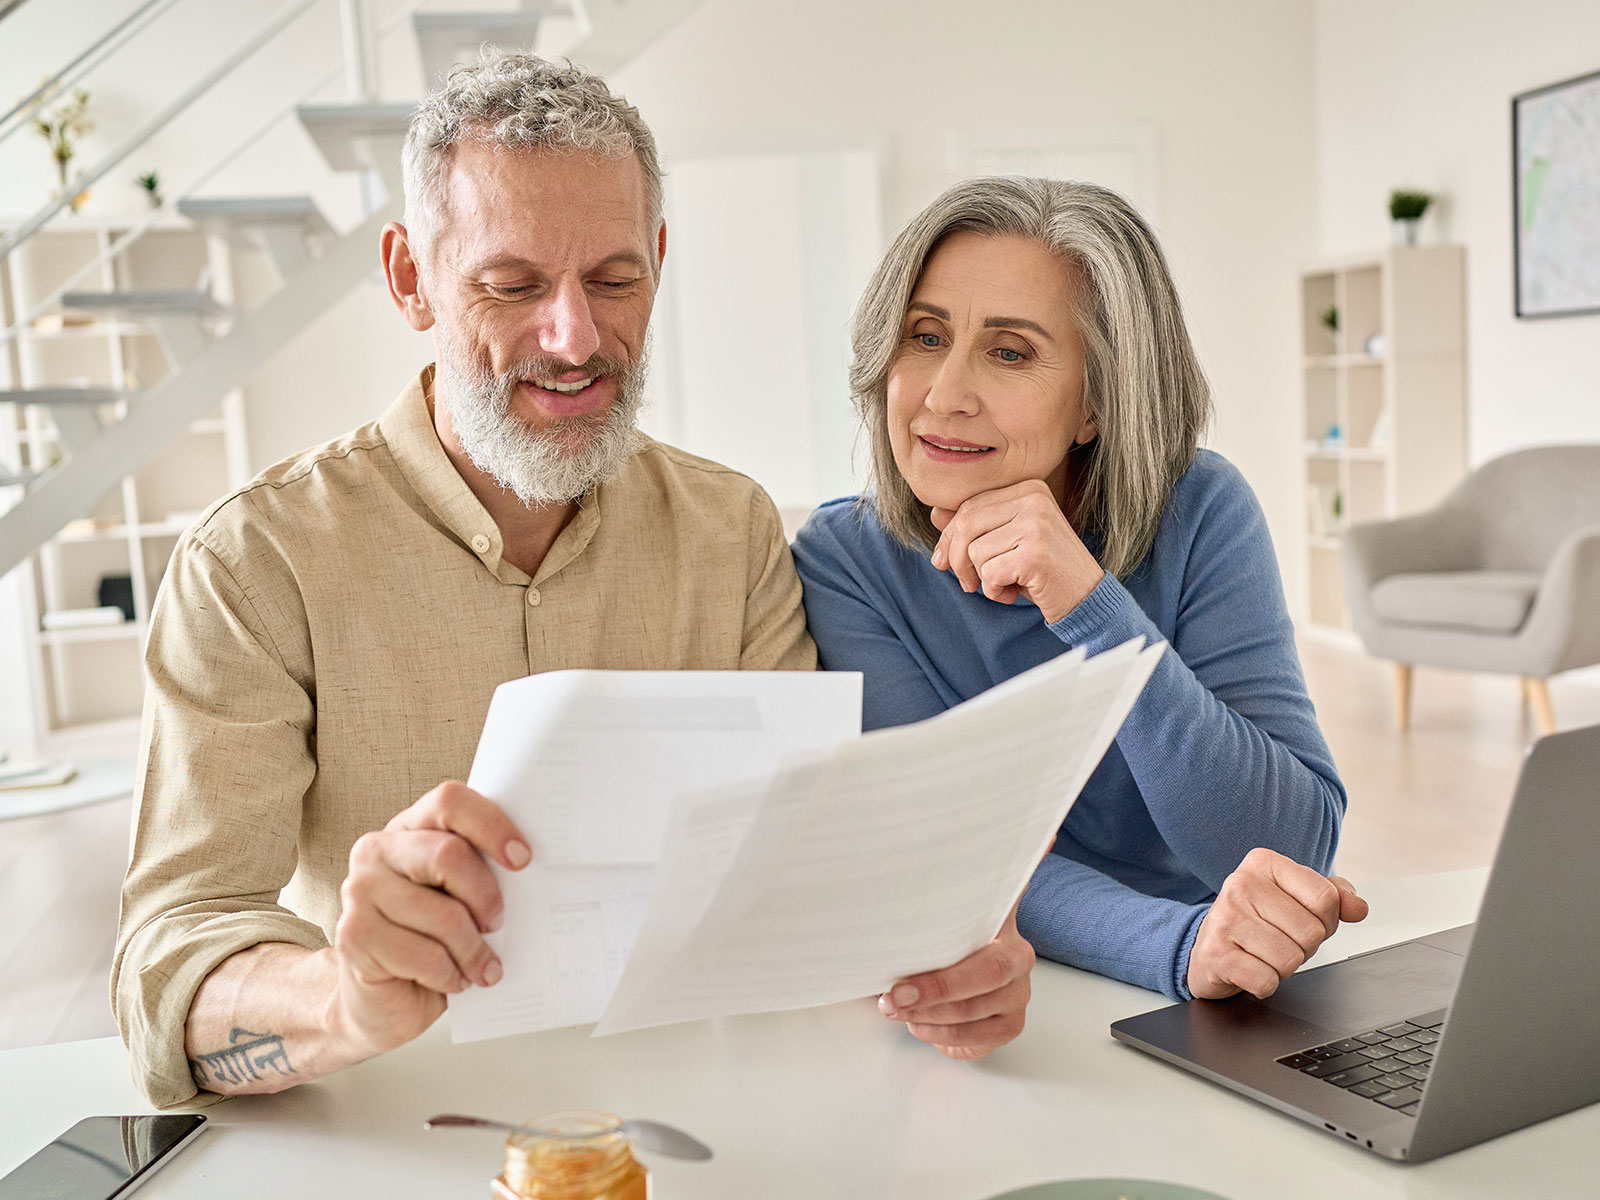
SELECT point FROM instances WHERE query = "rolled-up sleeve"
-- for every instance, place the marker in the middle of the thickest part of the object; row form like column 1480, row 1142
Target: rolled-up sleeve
column 226, row 756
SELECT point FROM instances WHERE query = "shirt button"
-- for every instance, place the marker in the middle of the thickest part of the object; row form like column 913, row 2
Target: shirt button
column 533, row 597
column 480, row 543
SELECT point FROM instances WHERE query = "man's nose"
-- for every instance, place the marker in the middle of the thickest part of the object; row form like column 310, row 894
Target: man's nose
column 566, row 325
column 952, row 388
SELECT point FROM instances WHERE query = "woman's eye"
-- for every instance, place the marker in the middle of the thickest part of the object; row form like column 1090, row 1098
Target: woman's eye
column 1008, row 355
column 929, row 341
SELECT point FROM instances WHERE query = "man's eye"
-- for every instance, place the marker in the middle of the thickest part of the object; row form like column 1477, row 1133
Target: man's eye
column 616, row 285
column 502, row 290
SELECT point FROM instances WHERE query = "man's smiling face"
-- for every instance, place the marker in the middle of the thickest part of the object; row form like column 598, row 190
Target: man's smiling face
column 541, row 279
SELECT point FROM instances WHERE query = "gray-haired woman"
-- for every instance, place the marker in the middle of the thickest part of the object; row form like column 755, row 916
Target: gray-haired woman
column 1034, row 408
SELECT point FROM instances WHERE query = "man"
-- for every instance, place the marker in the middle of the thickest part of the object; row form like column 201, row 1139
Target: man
column 327, row 639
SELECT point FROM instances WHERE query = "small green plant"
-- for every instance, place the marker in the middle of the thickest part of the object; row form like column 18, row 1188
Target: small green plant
column 1330, row 318
column 1407, row 205
column 150, row 181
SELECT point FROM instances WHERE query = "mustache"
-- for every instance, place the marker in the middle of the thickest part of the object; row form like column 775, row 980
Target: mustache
column 536, row 367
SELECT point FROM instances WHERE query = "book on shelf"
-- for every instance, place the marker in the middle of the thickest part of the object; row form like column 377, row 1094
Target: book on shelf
column 83, row 618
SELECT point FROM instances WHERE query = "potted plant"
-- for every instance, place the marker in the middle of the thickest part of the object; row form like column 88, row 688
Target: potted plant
column 61, row 121
column 1406, row 206
column 150, row 181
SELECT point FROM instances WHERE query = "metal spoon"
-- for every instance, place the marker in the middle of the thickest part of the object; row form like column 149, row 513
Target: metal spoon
column 652, row 1136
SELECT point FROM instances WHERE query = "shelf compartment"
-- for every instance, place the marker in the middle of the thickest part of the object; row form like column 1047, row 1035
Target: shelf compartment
column 1361, row 313
column 1321, row 404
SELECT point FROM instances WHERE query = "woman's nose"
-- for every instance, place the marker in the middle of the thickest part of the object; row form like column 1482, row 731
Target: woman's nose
column 952, row 388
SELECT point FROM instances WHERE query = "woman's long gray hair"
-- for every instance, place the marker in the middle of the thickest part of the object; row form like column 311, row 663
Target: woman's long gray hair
column 1142, row 382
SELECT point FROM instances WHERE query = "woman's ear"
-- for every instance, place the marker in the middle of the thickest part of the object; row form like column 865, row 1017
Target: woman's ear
column 1087, row 432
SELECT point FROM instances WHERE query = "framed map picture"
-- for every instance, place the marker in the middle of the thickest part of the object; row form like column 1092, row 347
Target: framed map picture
column 1555, row 150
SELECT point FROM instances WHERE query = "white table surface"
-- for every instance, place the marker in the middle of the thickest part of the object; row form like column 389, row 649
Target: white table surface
column 824, row 1103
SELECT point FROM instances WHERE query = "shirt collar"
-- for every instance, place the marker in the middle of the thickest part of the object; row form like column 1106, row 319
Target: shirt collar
column 408, row 429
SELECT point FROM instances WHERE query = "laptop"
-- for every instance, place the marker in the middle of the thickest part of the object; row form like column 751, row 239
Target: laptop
column 1428, row 1046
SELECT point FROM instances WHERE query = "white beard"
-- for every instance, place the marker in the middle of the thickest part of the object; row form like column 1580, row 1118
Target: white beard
column 553, row 465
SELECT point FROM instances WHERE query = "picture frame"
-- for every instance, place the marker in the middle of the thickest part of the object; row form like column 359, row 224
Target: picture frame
column 1555, row 196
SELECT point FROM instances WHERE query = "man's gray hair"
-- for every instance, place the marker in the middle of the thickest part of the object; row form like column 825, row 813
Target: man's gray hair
column 1142, row 382
column 517, row 102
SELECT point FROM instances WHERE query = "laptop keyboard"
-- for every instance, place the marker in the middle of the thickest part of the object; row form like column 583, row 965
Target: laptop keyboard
column 1388, row 1065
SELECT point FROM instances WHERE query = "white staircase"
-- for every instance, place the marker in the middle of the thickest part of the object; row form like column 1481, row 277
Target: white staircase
column 446, row 38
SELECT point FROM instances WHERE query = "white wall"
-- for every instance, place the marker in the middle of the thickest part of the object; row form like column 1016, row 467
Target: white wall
column 752, row 376
column 1419, row 94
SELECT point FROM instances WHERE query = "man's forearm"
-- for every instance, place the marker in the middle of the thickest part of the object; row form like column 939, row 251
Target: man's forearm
column 264, row 1020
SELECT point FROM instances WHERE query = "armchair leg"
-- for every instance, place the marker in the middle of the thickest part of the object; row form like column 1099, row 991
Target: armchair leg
column 1402, row 696
column 1538, row 694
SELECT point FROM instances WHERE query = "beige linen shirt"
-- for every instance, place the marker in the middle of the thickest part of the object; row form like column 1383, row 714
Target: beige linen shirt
column 323, row 651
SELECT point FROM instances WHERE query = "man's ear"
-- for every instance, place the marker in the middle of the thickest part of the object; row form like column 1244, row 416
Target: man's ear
column 404, row 277
column 661, row 247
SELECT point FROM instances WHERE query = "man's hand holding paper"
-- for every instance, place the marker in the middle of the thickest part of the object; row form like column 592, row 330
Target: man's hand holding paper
column 417, row 900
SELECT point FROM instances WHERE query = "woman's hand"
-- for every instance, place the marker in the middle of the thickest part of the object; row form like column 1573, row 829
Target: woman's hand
column 1015, row 541
column 976, row 1006
column 1268, row 919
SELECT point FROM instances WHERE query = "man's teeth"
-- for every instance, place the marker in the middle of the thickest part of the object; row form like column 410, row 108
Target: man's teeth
column 566, row 389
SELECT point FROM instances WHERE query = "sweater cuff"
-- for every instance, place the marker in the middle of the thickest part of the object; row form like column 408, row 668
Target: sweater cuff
column 1108, row 615
column 1180, row 979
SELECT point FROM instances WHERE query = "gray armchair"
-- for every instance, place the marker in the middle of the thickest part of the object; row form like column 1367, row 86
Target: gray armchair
column 1503, row 576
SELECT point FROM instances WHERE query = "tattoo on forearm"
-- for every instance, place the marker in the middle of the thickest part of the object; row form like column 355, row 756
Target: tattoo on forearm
column 243, row 1060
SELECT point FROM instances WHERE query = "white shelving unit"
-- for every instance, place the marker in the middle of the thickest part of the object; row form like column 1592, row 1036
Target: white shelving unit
column 86, row 683
column 1383, row 399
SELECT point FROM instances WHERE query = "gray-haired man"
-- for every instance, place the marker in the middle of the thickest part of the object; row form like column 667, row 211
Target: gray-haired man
column 327, row 639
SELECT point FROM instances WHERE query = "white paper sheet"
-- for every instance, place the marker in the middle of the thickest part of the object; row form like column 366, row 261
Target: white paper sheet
column 894, row 854
column 586, row 763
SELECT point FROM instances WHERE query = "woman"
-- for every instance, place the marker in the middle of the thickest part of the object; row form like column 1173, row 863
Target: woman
column 1034, row 407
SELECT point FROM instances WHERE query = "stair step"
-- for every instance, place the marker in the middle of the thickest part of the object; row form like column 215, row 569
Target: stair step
column 448, row 38
column 238, row 212
column 164, row 302
column 359, row 137
column 617, row 30
column 64, row 395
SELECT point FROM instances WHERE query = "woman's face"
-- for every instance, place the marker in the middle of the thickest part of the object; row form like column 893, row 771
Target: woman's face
column 986, row 386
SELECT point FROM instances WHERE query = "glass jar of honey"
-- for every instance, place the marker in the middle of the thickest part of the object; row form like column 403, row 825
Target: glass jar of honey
column 578, row 1155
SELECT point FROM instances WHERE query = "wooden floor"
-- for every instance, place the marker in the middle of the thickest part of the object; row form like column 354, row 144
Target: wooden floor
column 1430, row 800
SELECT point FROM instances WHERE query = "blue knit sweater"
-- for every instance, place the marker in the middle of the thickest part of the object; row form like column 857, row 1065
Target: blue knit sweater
column 1220, row 754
